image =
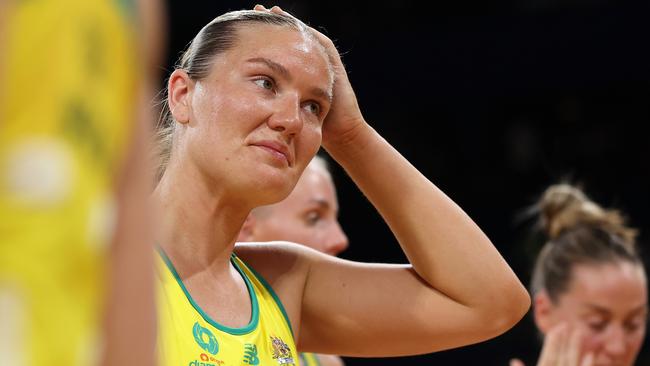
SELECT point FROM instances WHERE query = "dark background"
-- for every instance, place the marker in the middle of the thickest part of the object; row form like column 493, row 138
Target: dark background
column 493, row 101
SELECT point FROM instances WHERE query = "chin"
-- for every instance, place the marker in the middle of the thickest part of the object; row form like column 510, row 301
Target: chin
column 272, row 191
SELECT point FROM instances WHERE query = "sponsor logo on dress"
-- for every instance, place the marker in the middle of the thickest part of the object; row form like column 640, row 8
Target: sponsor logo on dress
column 281, row 352
column 205, row 339
column 250, row 354
column 200, row 363
column 206, row 361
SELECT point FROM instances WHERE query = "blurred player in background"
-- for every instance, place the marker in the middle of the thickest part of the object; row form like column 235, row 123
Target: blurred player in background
column 589, row 284
column 75, row 116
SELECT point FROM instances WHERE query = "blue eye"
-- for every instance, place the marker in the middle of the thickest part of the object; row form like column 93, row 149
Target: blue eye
column 264, row 83
column 313, row 108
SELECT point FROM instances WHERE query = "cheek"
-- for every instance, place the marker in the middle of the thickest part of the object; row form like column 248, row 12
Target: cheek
column 307, row 235
column 205, row 102
column 285, row 227
column 223, row 110
column 254, row 109
column 635, row 340
column 270, row 230
column 592, row 341
column 310, row 237
column 595, row 341
column 309, row 141
column 633, row 343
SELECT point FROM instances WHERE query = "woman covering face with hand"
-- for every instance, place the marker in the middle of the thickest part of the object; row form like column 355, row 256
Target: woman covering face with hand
column 589, row 284
column 251, row 101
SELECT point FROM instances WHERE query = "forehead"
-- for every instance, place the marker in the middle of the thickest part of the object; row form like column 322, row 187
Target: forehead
column 290, row 47
column 610, row 285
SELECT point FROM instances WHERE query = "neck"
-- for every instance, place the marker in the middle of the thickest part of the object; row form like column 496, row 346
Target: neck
column 199, row 224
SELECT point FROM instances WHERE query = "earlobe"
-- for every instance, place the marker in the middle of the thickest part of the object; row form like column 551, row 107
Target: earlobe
column 542, row 311
column 178, row 95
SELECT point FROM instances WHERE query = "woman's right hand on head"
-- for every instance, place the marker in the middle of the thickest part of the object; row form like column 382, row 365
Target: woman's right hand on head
column 562, row 347
column 344, row 116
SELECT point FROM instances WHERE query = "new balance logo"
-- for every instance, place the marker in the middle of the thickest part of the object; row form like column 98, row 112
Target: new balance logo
column 250, row 354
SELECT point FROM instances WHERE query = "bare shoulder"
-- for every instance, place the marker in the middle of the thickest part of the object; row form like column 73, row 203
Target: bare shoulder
column 282, row 258
column 284, row 266
column 275, row 257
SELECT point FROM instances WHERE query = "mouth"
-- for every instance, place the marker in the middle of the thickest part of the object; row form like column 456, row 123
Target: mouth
column 277, row 150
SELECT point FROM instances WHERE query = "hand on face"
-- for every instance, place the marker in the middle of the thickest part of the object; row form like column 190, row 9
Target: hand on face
column 562, row 347
column 344, row 117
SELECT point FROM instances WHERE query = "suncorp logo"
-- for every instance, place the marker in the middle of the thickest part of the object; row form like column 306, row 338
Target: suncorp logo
column 205, row 339
column 199, row 363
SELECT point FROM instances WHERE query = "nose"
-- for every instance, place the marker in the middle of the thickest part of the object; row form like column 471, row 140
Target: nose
column 286, row 118
column 614, row 342
column 338, row 241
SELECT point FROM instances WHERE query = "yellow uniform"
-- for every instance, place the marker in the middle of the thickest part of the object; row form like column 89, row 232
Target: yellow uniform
column 189, row 337
column 309, row 359
column 66, row 107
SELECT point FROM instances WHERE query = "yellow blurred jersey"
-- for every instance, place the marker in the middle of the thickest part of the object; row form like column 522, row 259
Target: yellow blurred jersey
column 189, row 337
column 309, row 359
column 67, row 105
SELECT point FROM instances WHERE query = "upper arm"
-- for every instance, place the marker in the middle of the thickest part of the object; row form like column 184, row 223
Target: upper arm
column 362, row 309
column 130, row 293
column 343, row 307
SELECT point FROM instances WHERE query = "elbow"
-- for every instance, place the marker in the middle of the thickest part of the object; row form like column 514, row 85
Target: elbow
column 507, row 309
column 520, row 303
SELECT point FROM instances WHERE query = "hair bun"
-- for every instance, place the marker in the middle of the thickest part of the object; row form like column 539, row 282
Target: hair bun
column 563, row 206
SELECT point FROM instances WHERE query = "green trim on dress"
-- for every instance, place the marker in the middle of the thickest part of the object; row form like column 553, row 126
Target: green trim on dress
column 255, row 314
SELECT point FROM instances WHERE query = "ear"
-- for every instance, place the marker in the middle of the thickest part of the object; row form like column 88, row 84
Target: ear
column 178, row 98
column 543, row 311
column 246, row 232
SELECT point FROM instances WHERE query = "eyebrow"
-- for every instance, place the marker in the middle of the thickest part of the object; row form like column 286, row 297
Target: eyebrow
column 323, row 204
column 603, row 310
column 322, row 94
column 272, row 65
column 320, row 202
column 287, row 75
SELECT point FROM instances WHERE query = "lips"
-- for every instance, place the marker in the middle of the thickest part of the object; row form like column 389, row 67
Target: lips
column 277, row 148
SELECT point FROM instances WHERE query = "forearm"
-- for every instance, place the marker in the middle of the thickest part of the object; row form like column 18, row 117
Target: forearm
column 130, row 329
column 445, row 247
